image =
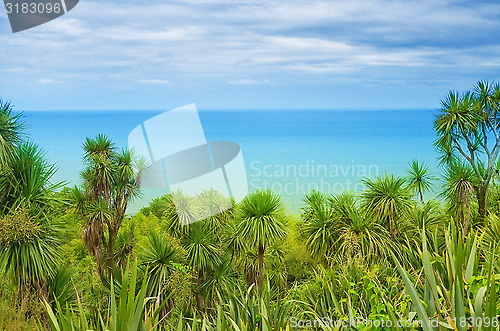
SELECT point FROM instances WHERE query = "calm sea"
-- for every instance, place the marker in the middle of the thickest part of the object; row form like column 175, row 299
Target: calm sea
column 291, row 152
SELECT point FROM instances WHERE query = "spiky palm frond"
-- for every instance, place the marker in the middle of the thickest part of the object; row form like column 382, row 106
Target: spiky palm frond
column 468, row 123
column 260, row 218
column 219, row 281
column 430, row 216
column 110, row 181
column 491, row 231
column 216, row 210
column 177, row 211
column 29, row 248
column 319, row 226
column 62, row 288
column 202, row 251
column 162, row 256
column 187, row 208
column 100, row 148
column 458, row 114
column 125, row 245
column 460, row 186
column 419, row 179
column 386, row 199
column 488, row 96
column 360, row 237
column 27, row 181
column 11, row 132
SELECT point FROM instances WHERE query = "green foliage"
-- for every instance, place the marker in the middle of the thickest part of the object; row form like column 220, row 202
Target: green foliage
column 382, row 255
column 460, row 188
column 110, row 180
column 18, row 227
column 125, row 244
column 31, row 254
column 29, row 237
column 202, row 250
column 11, row 132
column 449, row 297
column 336, row 230
column 387, row 200
column 419, row 179
column 14, row 317
column 162, row 257
column 260, row 218
column 465, row 126
column 131, row 310
column 319, row 226
column 26, row 182
column 360, row 236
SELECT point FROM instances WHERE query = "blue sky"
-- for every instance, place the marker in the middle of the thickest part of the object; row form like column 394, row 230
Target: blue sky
column 230, row 54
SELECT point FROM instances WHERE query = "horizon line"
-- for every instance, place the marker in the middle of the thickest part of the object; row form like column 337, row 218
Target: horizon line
column 233, row 109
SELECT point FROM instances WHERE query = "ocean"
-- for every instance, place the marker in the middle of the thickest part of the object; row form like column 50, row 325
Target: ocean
column 289, row 151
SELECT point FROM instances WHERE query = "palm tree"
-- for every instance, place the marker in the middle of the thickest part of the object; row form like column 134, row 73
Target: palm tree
column 276, row 266
column 110, row 181
column 217, row 210
column 203, row 255
column 248, row 262
column 261, row 222
column 460, row 186
column 428, row 216
column 125, row 245
column 180, row 210
column 29, row 240
column 162, row 256
column 387, row 200
column 26, row 182
column 419, row 179
column 11, row 132
column 319, row 226
column 359, row 236
column 219, row 282
column 464, row 124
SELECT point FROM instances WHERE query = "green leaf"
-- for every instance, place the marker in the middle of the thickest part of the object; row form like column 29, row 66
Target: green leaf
column 469, row 270
column 422, row 314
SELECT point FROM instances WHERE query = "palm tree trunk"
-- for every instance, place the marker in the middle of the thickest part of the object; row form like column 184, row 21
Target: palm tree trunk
column 97, row 252
column 260, row 276
column 43, row 292
column 481, row 201
column 110, row 252
column 201, row 298
column 421, row 196
column 250, row 275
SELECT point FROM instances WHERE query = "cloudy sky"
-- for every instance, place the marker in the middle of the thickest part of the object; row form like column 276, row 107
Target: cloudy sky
column 231, row 54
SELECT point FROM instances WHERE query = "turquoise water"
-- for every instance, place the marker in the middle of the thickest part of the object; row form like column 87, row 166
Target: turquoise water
column 291, row 152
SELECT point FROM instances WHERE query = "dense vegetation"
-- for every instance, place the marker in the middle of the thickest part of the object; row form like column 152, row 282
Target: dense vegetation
column 73, row 260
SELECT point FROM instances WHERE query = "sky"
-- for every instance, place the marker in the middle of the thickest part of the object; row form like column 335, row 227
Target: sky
column 231, row 54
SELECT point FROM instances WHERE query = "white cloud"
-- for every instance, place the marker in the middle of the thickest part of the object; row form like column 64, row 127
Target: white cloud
column 223, row 40
column 153, row 81
column 244, row 82
column 48, row 81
